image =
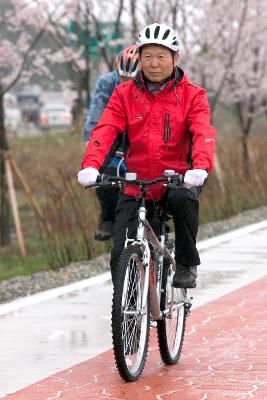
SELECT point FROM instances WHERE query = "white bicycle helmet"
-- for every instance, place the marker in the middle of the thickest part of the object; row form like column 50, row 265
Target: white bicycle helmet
column 127, row 62
column 160, row 34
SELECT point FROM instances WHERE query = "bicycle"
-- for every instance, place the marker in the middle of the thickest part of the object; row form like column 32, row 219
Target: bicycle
column 143, row 288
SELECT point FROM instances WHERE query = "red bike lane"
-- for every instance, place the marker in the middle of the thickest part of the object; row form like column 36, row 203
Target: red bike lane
column 224, row 357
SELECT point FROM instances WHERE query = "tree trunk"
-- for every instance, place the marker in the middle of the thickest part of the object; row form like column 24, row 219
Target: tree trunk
column 246, row 155
column 4, row 202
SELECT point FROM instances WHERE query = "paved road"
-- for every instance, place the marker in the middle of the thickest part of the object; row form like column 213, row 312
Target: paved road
column 45, row 338
column 224, row 358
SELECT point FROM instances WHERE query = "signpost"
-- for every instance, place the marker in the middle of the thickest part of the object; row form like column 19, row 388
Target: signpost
column 84, row 36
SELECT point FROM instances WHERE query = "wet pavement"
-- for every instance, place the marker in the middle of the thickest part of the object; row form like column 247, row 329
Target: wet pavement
column 38, row 340
column 45, row 338
column 223, row 358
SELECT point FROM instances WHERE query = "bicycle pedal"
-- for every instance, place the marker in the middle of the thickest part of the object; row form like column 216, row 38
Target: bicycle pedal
column 188, row 306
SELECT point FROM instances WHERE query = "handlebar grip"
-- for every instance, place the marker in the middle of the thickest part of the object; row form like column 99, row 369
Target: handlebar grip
column 99, row 178
column 97, row 182
column 177, row 179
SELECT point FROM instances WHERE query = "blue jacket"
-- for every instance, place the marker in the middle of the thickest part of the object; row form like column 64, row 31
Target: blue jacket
column 104, row 88
column 100, row 96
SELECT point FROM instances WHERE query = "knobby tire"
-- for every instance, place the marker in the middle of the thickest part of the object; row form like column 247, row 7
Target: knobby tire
column 130, row 334
column 170, row 331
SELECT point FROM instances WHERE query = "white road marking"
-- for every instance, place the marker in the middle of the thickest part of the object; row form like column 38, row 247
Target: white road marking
column 225, row 237
column 52, row 293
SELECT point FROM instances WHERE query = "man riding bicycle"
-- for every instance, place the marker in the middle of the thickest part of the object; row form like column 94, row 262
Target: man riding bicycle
column 167, row 119
column 126, row 65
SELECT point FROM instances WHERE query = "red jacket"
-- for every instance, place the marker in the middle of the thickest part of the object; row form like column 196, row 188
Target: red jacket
column 171, row 130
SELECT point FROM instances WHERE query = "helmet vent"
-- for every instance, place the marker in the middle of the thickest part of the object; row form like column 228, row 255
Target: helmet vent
column 166, row 34
column 147, row 33
column 128, row 64
column 135, row 65
column 156, row 33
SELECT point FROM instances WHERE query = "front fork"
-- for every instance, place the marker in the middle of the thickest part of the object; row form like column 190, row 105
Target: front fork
column 144, row 265
column 149, row 282
column 151, row 279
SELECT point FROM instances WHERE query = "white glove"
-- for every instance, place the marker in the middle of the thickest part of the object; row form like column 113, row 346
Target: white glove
column 87, row 176
column 195, row 177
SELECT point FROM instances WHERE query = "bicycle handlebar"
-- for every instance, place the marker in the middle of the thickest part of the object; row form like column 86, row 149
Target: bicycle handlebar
column 108, row 180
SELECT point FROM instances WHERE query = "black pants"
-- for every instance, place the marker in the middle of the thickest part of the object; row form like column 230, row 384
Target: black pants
column 108, row 198
column 181, row 203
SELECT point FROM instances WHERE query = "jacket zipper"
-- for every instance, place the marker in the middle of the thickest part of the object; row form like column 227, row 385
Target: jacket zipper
column 167, row 128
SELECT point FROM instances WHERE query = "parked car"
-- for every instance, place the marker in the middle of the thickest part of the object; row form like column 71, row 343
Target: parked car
column 29, row 101
column 55, row 116
column 12, row 113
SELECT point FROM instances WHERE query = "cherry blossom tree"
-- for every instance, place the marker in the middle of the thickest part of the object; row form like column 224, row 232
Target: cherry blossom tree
column 216, row 34
column 246, row 87
column 223, row 49
column 22, row 24
column 228, row 58
column 75, row 47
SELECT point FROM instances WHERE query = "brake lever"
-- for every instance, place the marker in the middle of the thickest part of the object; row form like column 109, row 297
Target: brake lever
column 91, row 186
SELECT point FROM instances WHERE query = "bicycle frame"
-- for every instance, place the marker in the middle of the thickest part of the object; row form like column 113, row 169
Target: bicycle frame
column 144, row 236
column 146, row 267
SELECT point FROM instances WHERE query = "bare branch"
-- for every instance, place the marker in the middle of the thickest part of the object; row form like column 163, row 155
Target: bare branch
column 118, row 18
column 232, row 53
column 134, row 18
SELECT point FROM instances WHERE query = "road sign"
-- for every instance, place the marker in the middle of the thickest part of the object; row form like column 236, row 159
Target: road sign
column 104, row 35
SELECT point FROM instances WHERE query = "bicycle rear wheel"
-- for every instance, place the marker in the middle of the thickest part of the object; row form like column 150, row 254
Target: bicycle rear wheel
column 171, row 330
column 130, row 324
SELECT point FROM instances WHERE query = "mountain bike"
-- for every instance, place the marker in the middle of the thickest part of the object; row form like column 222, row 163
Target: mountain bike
column 143, row 288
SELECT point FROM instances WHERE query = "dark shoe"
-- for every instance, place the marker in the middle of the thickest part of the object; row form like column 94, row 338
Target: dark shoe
column 185, row 277
column 104, row 231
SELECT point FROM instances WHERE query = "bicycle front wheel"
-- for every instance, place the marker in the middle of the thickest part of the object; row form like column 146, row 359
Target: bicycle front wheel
column 130, row 321
column 171, row 328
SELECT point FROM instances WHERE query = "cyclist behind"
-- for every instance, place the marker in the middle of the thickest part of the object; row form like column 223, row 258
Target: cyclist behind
column 167, row 119
column 126, row 66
